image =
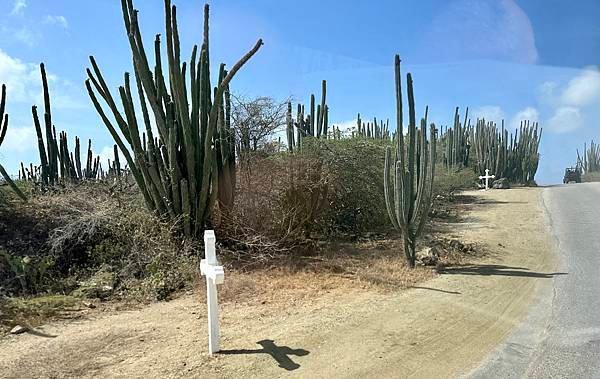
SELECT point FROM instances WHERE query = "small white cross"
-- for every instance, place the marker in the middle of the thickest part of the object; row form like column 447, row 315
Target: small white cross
column 214, row 275
column 487, row 177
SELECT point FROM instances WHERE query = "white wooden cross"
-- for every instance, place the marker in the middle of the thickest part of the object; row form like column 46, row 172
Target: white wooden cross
column 487, row 177
column 214, row 275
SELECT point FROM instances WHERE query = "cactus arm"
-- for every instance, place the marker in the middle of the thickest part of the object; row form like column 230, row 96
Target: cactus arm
column 132, row 166
column 41, row 147
column 208, row 154
column 12, row 184
column 389, row 200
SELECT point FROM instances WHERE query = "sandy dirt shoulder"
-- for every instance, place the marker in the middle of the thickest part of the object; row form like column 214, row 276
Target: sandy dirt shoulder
column 441, row 328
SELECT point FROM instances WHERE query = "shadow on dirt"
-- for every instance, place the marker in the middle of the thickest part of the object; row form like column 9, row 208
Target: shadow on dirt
column 279, row 353
column 487, row 270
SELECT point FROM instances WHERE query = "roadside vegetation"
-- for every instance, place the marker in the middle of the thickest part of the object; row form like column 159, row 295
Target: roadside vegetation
column 284, row 189
column 589, row 162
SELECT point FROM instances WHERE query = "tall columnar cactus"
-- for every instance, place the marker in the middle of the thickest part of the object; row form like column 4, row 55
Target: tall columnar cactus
column 512, row 156
column 455, row 142
column 189, row 164
column 408, row 178
column 3, row 130
column 374, row 130
column 114, row 168
column 590, row 162
column 313, row 125
column 57, row 163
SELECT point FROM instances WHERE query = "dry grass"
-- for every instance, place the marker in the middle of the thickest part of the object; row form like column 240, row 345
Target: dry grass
column 38, row 310
column 341, row 268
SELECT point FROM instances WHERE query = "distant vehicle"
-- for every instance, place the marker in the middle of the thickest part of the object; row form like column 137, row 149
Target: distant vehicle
column 572, row 174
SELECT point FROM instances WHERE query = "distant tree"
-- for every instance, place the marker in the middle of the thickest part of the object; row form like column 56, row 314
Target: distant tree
column 256, row 121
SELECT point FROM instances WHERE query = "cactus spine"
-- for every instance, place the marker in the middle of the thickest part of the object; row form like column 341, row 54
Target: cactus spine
column 190, row 164
column 408, row 179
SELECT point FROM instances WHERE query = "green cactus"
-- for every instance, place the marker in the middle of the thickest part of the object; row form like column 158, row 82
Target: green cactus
column 3, row 130
column 190, row 164
column 314, row 125
column 512, row 156
column 591, row 158
column 375, row 130
column 455, row 142
column 58, row 165
column 408, row 179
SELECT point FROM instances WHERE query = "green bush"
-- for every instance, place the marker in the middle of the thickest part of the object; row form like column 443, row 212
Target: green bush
column 354, row 171
column 447, row 182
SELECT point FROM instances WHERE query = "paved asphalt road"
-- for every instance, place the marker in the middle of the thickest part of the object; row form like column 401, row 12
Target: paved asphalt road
column 561, row 336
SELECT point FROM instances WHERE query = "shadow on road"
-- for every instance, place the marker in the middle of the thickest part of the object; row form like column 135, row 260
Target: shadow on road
column 501, row 270
column 279, row 353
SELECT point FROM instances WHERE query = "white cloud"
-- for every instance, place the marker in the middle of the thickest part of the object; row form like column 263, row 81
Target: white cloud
column 19, row 139
column 489, row 112
column 19, row 78
column 57, row 20
column 105, row 154
column 346, row 125
column 24, row 84
column 18, row 7
column 584, row 89
column 573, row 100
column 527, row 114
column 565, row 119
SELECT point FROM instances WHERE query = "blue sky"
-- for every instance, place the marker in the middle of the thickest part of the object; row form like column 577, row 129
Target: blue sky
column 507, row 59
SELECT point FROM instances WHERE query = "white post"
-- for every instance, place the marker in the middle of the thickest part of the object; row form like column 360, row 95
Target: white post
column 487, row 177
column 214, row 275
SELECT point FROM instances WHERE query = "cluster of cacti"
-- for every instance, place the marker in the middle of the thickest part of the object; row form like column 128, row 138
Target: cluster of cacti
column 57, row 163
column 114, row 167
column 336, row 133
column 190, row 165
column 408, row 176
column 374, row 130
column 455, row 143
column 512, row 156
column 3, row 129
column 313, row 125
column 590, row 162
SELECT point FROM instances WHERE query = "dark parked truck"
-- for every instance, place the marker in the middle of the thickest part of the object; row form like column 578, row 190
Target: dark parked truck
column 572, row 174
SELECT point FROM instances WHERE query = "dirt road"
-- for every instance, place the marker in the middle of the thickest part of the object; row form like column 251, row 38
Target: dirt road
column 443, row 328
column 561, row 335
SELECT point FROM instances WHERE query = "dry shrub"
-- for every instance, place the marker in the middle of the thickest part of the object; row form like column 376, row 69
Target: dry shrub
column 332, row 189
column 277, row 202
column 82, row 228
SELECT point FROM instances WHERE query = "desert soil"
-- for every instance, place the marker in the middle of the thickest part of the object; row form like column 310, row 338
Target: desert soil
column 442, row 327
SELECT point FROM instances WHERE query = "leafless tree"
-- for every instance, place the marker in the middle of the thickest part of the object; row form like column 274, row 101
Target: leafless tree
column 256, row 121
